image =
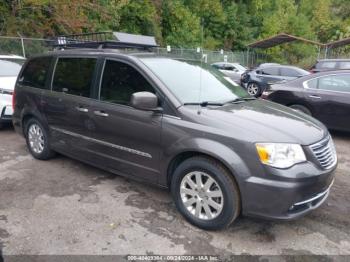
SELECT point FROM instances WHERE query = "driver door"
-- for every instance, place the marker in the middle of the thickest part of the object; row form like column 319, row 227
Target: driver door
column 125, row 139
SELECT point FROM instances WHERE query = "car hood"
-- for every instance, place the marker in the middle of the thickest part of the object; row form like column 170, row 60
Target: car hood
column 264, row 121
column 8, row 82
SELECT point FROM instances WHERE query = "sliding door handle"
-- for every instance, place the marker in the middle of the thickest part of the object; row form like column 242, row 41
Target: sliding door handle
column 101, row 113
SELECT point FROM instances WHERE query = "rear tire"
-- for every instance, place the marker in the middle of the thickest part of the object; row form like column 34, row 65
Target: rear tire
column 205, row 193
column 302, row 109
column 37, row 139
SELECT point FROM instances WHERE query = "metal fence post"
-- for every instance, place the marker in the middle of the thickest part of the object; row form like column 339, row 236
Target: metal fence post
column 22, row 43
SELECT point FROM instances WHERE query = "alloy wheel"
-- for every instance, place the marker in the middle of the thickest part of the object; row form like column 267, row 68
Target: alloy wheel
column 201, row 195
column 36, row 138
column 253, row 89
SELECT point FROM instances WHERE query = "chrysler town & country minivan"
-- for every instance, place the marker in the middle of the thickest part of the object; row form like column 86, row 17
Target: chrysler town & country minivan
column 177, row 124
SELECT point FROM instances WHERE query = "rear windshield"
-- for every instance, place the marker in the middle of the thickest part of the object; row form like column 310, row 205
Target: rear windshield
column 8, row 68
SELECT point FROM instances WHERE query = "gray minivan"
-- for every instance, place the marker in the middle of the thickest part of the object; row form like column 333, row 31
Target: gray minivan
column 177, row 124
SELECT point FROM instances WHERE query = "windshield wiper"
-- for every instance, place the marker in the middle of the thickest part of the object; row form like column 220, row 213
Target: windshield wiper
column 211, row 103
column 205, row 103
column 239, row 100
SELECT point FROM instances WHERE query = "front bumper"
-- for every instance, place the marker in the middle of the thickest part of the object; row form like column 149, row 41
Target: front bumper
column 286, row 199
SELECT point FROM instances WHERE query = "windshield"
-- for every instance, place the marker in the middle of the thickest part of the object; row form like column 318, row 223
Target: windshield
column 9, row 68
column 192, row 82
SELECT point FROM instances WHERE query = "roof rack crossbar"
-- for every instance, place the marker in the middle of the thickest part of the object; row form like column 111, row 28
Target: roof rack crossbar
column 101, row 40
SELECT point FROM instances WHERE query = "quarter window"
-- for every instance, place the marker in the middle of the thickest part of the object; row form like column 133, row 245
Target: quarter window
column 35, row 72
column 312, row 83
column 74, row 76
column 120, row 81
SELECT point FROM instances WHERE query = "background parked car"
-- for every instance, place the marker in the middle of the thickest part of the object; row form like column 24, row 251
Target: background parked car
column 9, row 69
column 330, row 65
column 325, row 96
column 267, row 64
column 233, row 70
column 13, row 58
column 257, row 80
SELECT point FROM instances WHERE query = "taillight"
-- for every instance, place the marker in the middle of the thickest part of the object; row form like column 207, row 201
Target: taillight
column 13, row 100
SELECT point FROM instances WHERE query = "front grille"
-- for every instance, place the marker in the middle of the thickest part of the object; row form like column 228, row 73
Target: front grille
column 325, row 152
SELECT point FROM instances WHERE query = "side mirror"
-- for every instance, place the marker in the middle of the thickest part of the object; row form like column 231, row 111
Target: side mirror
column 145, row 101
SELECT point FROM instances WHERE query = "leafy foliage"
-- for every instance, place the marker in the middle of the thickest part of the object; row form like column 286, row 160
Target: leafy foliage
column 228, row 24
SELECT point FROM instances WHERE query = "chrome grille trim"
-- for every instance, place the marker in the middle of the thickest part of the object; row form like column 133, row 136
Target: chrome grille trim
column 325, row 153
column 319, row 195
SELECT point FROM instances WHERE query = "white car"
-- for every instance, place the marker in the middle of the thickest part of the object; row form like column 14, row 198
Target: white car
column 9, row 70
column 232, row 70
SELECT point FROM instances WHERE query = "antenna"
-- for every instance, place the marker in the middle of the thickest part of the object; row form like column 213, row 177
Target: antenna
column 200, row 70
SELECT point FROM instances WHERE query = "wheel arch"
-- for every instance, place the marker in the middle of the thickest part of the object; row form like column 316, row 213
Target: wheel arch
column 306, row 105
column 223, row 154
column 28, row 114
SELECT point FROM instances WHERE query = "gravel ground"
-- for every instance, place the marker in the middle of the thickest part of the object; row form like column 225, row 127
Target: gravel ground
column 62, row 206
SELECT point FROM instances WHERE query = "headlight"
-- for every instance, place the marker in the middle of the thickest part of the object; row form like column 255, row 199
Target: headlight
column 280, row 155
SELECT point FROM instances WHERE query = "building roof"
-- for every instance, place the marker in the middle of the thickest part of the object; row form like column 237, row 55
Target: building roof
column 280, row 39
column 338, row 43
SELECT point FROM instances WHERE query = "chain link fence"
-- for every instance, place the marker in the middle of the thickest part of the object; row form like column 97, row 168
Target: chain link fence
column 25, row 47
column 28, row 47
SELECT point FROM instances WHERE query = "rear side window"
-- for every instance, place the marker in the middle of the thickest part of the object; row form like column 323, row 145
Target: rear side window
column 74, row 76
column 340, row 83
column 270, row 71
column 326, row 65
column 217, row 66
column 289, row 72
column 35, row 72
column 230, row 68
column 120, row 81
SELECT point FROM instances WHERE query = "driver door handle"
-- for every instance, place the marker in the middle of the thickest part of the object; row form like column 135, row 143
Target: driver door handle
column 313, row 96
column 82, row 109
column 101, row 113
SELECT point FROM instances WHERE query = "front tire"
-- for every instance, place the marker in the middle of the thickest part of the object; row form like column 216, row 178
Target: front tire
column 38, row 140
column 205, row 193
column 254, row 89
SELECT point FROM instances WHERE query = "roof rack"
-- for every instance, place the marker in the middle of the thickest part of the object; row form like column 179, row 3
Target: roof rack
column 108, row 39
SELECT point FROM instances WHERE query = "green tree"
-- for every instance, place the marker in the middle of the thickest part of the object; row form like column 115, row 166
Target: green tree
column 139, row 17
column 181, row 28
